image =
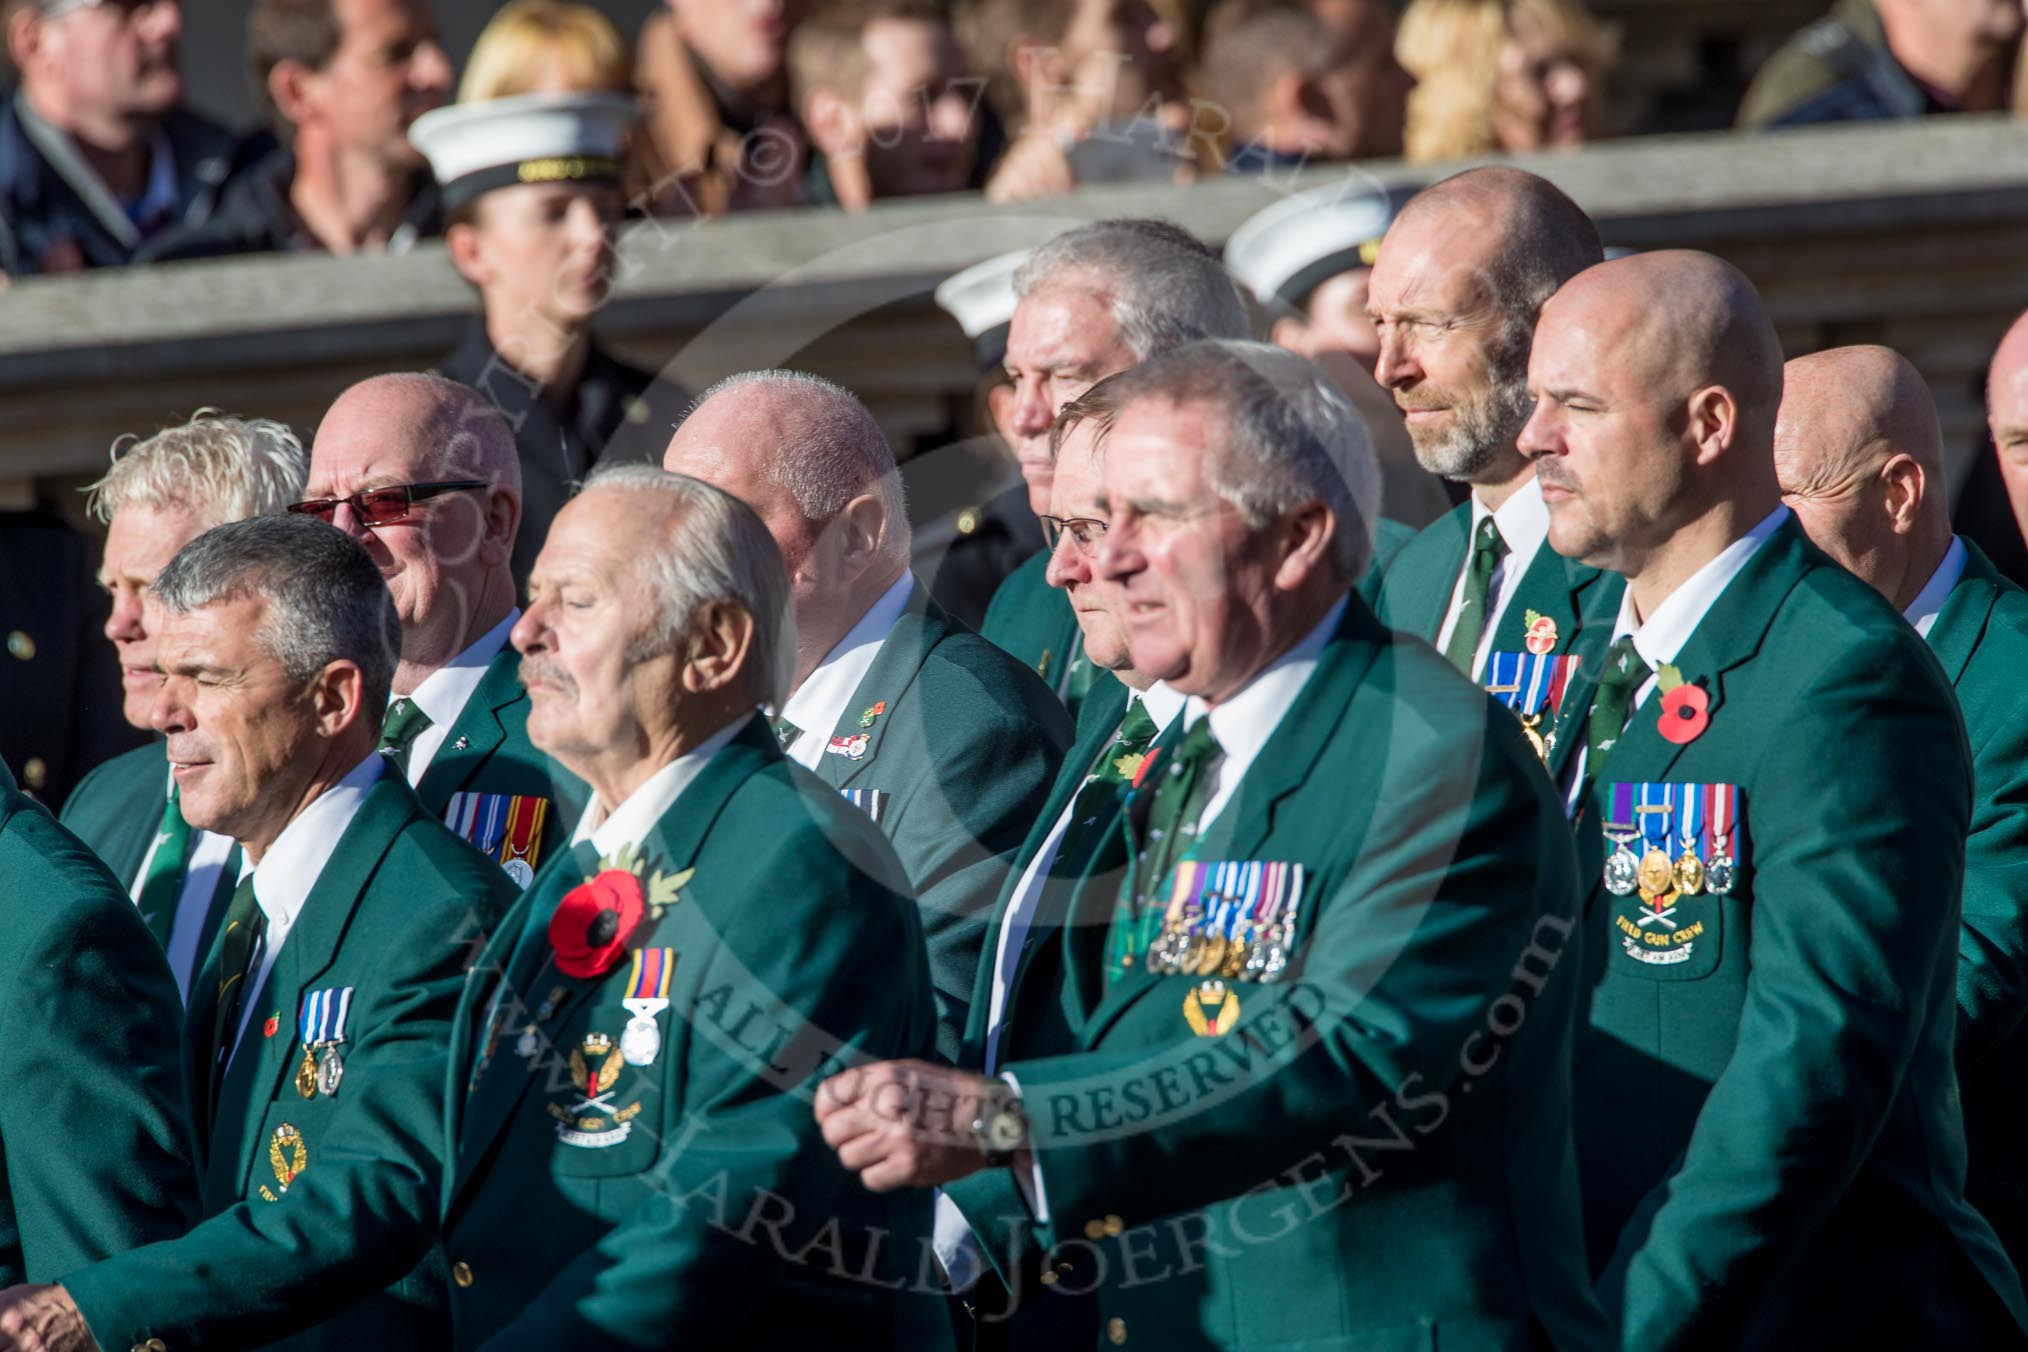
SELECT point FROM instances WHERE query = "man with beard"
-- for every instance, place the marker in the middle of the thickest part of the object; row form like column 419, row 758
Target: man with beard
column 534, row 201
column 1460, row 279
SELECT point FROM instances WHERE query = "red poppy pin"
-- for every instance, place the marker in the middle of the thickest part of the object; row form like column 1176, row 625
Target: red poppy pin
column 273, row 1024
column 593, row 922
column 1686, row 708
column 1541, row 635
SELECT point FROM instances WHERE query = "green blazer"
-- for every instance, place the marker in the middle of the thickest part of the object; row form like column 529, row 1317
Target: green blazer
column 1033, row 622
column 1361, row 1159
column 1769, row 1127
column 117, row 810
column 1389, row 539
column 344, row 1256
column 487, row 751
column 955, row 765
column 690, row 1195
column 97, row 1142
column 1981, row 638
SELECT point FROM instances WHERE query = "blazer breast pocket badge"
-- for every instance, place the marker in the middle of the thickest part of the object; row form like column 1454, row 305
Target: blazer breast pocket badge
column 1672, row 856
column 873, row 802
column 505, row 827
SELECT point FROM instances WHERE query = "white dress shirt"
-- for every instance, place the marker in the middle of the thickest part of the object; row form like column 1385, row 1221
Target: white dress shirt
column 631, row 821
column 446, row 691
column 820, row 701
column 290, row 869
column 1661, row 637
column 1929, row 602
column 1523, row 523
column 209, row 854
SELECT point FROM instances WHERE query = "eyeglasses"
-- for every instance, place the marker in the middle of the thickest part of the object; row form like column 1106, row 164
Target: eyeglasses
column 384, row 506
column 1084, row 531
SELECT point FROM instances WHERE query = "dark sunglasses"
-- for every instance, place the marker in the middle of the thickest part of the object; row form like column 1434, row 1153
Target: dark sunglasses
column 384, row 506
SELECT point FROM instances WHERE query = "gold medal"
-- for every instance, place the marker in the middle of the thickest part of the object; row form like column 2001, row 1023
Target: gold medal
column 1212, row 956
column 1531, row 728
column 306, row 1075
column 1689, row 873
column 1658, row 874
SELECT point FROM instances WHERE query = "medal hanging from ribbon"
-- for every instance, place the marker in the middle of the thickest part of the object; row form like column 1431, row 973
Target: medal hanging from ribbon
column 1622, row 866
column 524, row 838
column 1233, row 920
column 322, row 1026
column 1657, row 876
column 1532, row 685
column 1721, row 814
column 1687, row 805
column 647, row 996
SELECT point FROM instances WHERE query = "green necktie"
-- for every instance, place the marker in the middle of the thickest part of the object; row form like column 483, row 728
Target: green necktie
column 1179, row 799
column 1487, row 551
column 1117, row 765
column 404, row 723
column 1624, row 674
column 786, row 733
column 164, row 880
column 238, row 940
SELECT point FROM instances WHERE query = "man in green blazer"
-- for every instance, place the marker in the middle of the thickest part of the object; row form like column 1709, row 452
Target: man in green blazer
column 1089, row 303
column 636, row 1163
column 1460, row 278
column 314, row 1053
column 1296, row 1070
column 424, row 474
column 937, row 735
column 162, row 492
column 1860, row 457
column 97, row 1142
column 1766, row 1106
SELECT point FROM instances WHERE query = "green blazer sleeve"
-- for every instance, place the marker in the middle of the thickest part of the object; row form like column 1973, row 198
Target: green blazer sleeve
column 117, row 808
column 1851, row 870
column 1416, row 931
column 679, row 1264
column 362, row 1213
column 98, row 1151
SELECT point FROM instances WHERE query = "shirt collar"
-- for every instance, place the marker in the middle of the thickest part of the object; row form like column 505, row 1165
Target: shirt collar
column 1929, row 602
column 631, row 821
column 445, row 691
column 1523, row 519
column 1163, row 703
column 1244, row 723
column 1661, row 638
column 820, row 701
column 292, row 865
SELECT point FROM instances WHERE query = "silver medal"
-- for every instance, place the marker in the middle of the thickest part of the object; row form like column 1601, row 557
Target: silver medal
column 518, row 870
column 1622, row 869
column 528, row 1044
column 1721, row 873
column 330, row 1070
column 640, row 1042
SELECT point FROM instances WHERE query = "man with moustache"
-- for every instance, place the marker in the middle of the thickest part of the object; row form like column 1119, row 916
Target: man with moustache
column 945, row 741
column 314, row 1061
column 1767, row 1116
column 1460, row 277
column 1091, row 302
column 1859, row 456
column 1414, row 871
column 422, row 472
column 161, row 493
column 634, row 1060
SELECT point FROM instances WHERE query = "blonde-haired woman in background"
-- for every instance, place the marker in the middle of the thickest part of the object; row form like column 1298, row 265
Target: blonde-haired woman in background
column 547, row 47
column 1502, row 75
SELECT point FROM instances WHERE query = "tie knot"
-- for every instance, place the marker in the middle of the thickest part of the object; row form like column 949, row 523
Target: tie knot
column 1197, row 747
column 786, row 732
column 1487, row 540
column 405, row 722
column 1624, row 667
column 1138, row 728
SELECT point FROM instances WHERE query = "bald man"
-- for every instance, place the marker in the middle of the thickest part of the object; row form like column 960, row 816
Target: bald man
column 2007, row 418
column 424, row 474
column 1461, row 276
column 945, row 740
column 1771, row 801
column 1860, row 458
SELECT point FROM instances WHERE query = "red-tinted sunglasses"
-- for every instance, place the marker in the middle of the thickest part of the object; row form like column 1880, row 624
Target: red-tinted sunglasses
column 384, row 506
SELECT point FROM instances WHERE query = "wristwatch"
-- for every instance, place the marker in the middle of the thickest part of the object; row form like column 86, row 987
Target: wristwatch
column 1001, row 1129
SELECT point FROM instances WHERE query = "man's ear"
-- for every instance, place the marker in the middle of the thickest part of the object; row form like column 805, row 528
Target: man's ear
column 24, row 36
column 1712, row 422
column 865, row 524
column 1903, row 483
column 721, row 640
column 503, row 520
column 337, row 697
column 1291, row 333
column 468, row 254
column 833, row 124
column 1306, row 536
column 288, row 89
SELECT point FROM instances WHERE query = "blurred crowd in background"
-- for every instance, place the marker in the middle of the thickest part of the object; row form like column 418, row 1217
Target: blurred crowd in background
column 751, row 104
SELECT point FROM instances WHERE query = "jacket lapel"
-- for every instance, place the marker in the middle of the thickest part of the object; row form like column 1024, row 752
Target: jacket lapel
column 1593, row 605
column 1283, row 766
column 254, row 1075
column 474, row 736
column 922, row 625
column 1962, row 622
column 670, row 846
column 1416, row 599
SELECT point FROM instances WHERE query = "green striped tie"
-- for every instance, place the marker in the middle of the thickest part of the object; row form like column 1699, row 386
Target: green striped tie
column 405, row 722
column 163, row 882
column 1180, row 798
column 1487, row 550
column 238, row 940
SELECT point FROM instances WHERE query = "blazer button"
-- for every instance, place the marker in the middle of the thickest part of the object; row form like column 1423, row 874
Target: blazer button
column 461, row 1273
column 1116, row 1330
